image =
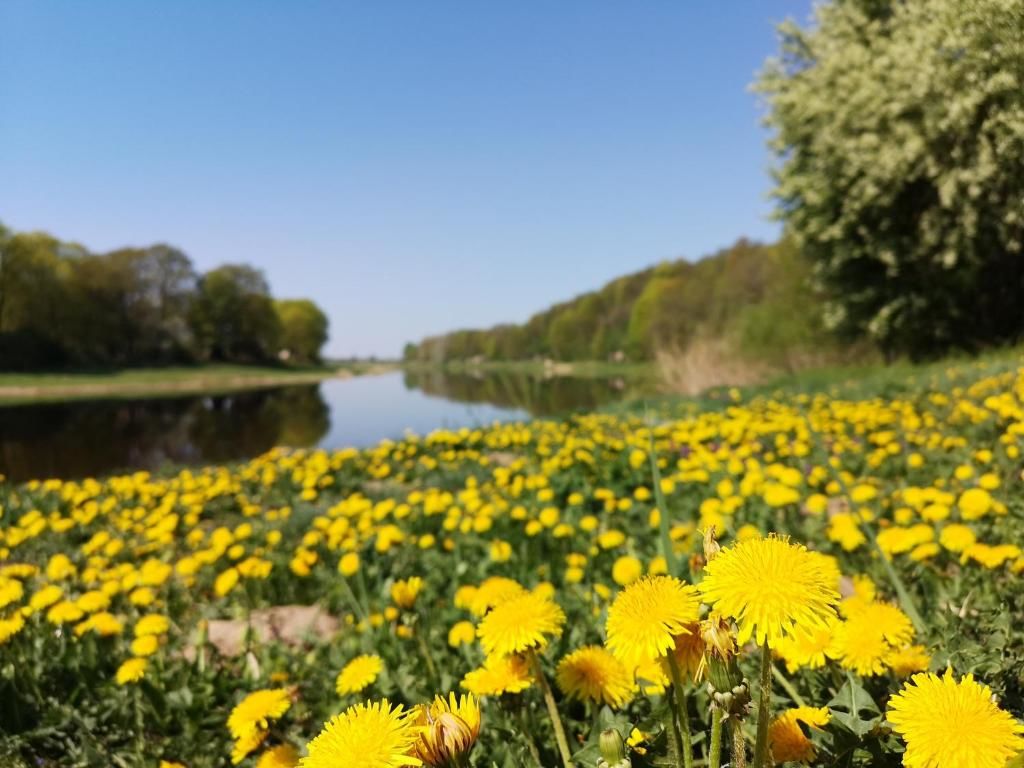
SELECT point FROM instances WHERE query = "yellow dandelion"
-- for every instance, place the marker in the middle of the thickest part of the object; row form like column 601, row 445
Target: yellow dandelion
column 256, row 711
column 10, row 627
column 370, row 735
column 770, row 587
column 493, row 591
column 448, row 730
column 864, row 641
column 689, row 652
column 626, row 570
column 153, row 624
column 520, row 624
column 593, row 674
column 246, row 744
column 281, row 756
column 806, row 648
column 905, row 661
column 646, row 617
column 11, row 591
column 498, row 675
column 359, row 673
column 787, row 740
column 404, row 592
column 461, row 633
column 130, row 671
column 952, row 724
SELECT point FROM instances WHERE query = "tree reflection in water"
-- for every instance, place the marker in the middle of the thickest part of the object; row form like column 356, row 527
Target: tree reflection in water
column 88, row 438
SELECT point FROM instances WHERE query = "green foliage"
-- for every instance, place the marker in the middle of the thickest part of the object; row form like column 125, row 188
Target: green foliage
column 664, row 307
column 62, row 306
column 899, row 129
column 303, row 329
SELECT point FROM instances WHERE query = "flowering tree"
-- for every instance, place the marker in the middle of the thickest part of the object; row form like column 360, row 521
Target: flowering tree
column 899, row 130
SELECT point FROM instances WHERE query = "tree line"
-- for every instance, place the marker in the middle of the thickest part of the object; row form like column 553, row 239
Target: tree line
column 62, row 306
column 898, row 132
column 744, row 292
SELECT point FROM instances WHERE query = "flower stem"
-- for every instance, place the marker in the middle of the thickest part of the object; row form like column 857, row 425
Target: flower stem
column 763, row 708
column 715, row 748
column 787, row 686
column 425, row 651
column 739, row 745
column 556, row 719
column 673, row 726
column 684, row 718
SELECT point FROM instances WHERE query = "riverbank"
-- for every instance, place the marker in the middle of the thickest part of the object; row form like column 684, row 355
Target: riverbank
column 584, row 369
column 18, row 388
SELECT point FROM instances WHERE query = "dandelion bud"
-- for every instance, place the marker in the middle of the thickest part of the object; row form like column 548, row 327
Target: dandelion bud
column 711, row 545
column 613, row 750
column 448, row 731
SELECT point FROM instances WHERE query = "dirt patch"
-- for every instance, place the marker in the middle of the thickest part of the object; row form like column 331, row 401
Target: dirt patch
column 291, row 625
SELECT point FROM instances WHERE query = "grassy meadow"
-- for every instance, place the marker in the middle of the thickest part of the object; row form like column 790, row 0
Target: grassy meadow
column 825, row 572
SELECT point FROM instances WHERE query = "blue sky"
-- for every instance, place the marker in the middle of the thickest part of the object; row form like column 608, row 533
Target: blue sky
column 412, row 166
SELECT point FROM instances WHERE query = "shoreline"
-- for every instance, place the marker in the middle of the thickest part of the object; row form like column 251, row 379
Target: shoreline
column 26, row 389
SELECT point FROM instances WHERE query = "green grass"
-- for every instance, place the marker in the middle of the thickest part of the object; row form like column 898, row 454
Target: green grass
column 158, row 382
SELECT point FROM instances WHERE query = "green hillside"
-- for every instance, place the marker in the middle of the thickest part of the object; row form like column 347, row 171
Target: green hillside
column 741, row 297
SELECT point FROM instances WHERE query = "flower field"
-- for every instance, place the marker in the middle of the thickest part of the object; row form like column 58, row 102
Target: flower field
column 760, row 579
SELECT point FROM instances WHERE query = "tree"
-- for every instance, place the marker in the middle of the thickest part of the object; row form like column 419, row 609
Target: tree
column 303, row 329
column 899, row 129
column 233, row 317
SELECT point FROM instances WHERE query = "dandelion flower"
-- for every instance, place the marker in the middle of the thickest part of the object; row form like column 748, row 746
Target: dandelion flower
column 787, row 739
column 251, row 717
column 498, row 675
column 646, row 617
column 370, row 735
column 281, row 756
column 404, row 592
column 359, row 673
column 905, row 661
column 806, row 648
column 448, row 730
column 771, row 587
column 153, row 624
column 593, row 674
column 952, row 724
column 864, row 641
column 461, row 633
column 10, row 627
column 130, row 671
column 493, row 591
column 521, row 624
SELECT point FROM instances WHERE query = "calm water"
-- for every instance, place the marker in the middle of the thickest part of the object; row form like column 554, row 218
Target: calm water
column 95, row 437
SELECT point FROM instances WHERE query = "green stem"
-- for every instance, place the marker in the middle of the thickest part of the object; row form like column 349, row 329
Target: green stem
column 787, row 686
column 556, row 719
column 667, row 550
column 684, row 718
column 420, row 630
column 673, row 727
column 715, row 748
column 739, row 745
column 763, row 709
column 357, row 609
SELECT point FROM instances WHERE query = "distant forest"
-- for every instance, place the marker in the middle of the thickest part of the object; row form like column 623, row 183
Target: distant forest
column 753, row 295
column 62, row 306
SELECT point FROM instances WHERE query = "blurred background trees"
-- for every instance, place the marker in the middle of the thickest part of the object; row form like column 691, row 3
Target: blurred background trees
column 64, row 307
column 899, row 131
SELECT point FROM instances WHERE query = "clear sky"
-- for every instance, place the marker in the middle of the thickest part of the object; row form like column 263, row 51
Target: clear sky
column 413, row 166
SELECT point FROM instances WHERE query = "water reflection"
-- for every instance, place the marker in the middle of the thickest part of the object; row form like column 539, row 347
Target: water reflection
column 100, row 437
column 84, row 438
column 537, row 395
